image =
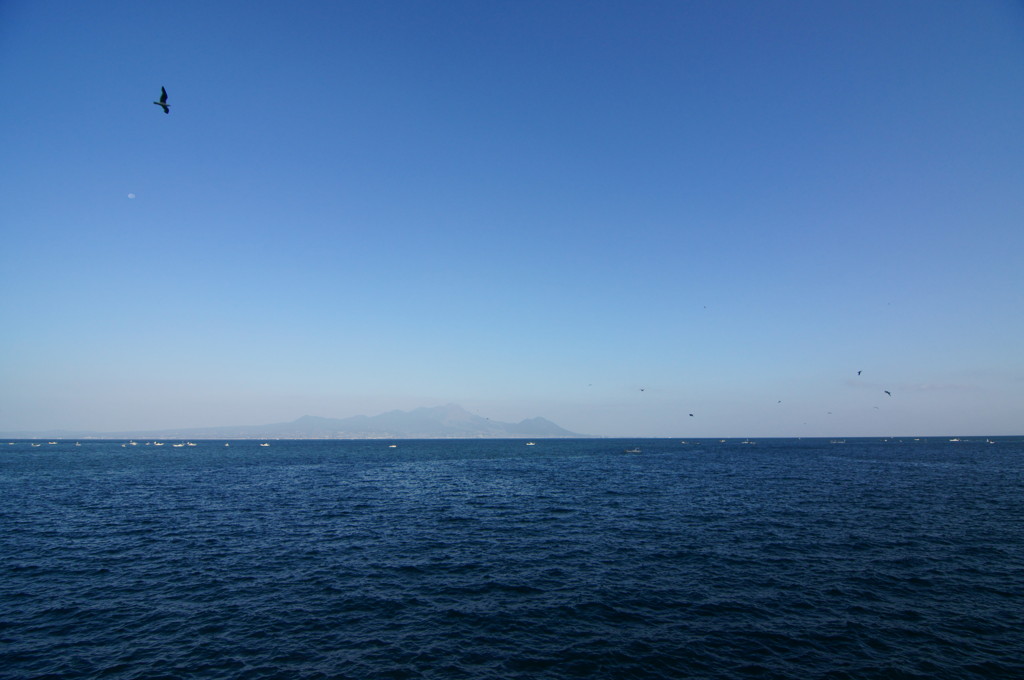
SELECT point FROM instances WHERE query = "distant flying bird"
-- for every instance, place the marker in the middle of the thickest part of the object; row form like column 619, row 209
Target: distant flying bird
column 887, row 392
column 858, row 372
column 163, row 100
column 691, row 415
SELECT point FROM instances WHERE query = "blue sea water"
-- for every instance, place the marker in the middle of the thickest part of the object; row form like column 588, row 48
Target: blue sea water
column 493, row 559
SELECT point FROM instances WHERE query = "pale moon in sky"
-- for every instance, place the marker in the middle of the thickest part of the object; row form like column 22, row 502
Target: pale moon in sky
column 131, row 195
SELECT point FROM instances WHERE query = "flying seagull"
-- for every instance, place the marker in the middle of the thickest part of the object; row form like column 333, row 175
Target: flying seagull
column 887, row 392
column 163, row 101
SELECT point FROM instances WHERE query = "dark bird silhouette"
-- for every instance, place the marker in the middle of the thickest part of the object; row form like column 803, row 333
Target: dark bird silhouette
column 163, row 100
column 858, row 372
column 691, row 415
column 887, row 392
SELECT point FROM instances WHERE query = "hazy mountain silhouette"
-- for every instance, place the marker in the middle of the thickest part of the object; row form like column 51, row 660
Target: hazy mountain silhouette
column 450, row 421
column 440, row 421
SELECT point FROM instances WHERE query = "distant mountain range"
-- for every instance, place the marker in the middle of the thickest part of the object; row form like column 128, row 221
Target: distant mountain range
column 440, row 422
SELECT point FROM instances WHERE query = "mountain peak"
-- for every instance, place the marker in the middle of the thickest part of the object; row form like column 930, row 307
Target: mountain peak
column 427, row 422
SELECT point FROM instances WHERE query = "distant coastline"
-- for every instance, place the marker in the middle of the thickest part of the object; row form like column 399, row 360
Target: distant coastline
column 442, row 422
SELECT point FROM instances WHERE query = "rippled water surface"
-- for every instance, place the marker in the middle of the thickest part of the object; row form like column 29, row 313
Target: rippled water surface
column 491, row 559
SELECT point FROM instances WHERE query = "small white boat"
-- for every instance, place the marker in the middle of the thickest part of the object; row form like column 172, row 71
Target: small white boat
column 531, row 443
column 632, row 451
column 264, row 444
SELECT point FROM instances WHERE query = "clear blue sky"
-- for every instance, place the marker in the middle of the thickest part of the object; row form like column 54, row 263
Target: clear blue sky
column 609, row 214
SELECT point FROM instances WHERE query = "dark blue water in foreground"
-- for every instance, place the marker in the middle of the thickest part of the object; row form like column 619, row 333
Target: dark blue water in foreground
column 493, row 559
